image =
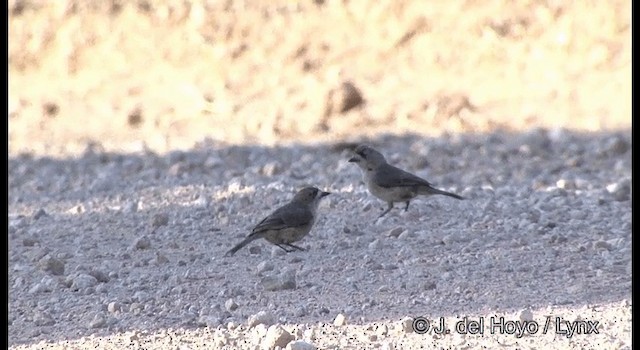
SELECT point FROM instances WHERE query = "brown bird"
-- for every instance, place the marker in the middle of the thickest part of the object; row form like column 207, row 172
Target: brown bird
column 389, row 183
column 289, row 223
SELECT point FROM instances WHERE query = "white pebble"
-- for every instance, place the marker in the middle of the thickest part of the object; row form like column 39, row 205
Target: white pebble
column 114, row 307
column 340, row 320
column 230, row 305
column 83, row 281
column 276, row 336
column 262, row 317
column 376, row 244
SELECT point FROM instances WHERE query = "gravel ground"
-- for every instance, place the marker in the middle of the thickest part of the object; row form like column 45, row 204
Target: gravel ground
column 113, row 251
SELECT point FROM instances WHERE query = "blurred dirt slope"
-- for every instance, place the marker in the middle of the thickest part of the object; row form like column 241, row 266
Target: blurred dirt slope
column 166, row 74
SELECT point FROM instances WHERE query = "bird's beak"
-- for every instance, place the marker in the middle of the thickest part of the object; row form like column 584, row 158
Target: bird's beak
column 324, row 194
column 354, row 160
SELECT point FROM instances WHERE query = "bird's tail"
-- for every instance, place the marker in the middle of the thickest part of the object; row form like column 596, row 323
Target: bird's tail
column 433, row 190
column 240, row 245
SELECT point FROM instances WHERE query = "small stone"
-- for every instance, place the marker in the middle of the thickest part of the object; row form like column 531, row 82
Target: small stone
column 300, row 311
column 160, row 259
column 620, row 190
column 135, row 308
column 114, row 307
column 271, row 169
column 142, row 243
column 396, row 232
column 340, row 320
column 300, row 345
column 101, row 276
column 140, row 296
column 406, row 324
column 130, row 207
column 42, row 318
column 78, row 209
column 276, row 252
column 47, row 284
column 212, row 161
column 429, row 285
column 276, row 336
column 565, row 184
column 83, row 281
column 259, row 331
column 342, row 99
column 208, row 321
column 159, row 220
column 376, row 244
column 38, row 288
column 16, row 222
column 98, row 321
column 296, row 259
column 526, row 315
column 616, row 146
column 264, row 266
column 283, row 281
column 40, row 213
column 603, row 245
column 390, row 266
column 134, row 337
column 256, row 250
column 262, row 317
column 176, row 169
column 230, row 305
column 201, row 202
column 449, row 239
column 52, row 265
column 29, row 242
column 406, row 234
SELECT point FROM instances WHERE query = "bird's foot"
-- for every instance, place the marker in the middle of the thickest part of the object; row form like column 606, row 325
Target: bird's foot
column 295, row 247
column 285, row 249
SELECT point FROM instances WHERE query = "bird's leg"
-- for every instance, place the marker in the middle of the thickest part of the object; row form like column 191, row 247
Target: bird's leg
column 386, row 211
column 406, row 206
column 294, row 246
column 283, row 248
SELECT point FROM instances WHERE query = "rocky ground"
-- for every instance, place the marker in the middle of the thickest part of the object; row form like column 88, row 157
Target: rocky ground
column 146, row 139
column 108, row 243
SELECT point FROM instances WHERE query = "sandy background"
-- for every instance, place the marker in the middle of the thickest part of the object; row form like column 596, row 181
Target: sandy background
column 167, row 74
column 138, row 130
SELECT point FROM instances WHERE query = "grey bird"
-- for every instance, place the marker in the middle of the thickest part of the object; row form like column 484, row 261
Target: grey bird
column 389, row 183
column 289, row 223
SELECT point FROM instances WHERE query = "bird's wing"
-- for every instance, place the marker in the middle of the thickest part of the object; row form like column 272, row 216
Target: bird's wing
column 284, row 217
column 390, row 176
